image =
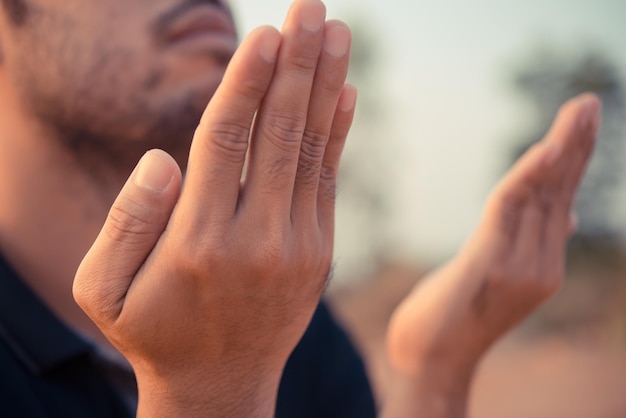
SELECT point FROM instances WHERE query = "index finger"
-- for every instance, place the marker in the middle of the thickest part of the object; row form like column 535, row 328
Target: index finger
column 574, row 131
column 220, row 143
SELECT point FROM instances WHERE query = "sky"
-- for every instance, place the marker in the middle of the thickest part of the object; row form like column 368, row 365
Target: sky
column 443, row 73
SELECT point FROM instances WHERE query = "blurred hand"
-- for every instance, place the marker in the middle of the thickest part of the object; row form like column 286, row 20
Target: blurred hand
column 207, row 291
column 513, row 262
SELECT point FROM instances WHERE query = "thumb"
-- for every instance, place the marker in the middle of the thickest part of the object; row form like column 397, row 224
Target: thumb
column 133, row 226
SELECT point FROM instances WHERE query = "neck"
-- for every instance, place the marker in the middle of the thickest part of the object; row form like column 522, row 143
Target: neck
column 54, row 204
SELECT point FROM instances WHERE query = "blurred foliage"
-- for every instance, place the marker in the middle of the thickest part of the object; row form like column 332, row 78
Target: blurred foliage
column 364, row 199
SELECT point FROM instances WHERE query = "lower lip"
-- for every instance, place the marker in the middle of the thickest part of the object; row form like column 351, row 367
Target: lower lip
column 204, row 41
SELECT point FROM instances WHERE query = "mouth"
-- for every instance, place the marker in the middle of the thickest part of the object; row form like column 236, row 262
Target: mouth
column 198, row 25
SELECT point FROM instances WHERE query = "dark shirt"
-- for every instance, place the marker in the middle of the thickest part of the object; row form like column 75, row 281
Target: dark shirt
column 46, row 370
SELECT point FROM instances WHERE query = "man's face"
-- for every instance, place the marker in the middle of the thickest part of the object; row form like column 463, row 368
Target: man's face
column 116, row 76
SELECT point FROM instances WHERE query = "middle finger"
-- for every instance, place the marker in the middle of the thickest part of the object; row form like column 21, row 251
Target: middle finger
column 281, row 120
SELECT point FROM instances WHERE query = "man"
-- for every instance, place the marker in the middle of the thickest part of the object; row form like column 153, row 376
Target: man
column 206, row 290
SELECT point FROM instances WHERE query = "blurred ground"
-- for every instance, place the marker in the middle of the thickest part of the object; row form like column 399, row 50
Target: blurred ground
column 567, row 361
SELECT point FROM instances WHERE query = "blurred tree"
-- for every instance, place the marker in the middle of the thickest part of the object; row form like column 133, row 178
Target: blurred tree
column 366, row 168
column 547, row 80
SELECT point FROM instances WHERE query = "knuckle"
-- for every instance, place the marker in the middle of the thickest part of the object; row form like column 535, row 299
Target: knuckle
column 285, row 132
column 331, row 82
column 318, row 266
column 198, row 256
column 92, row 299
column 304, row 63
column 251, row 88
column 128, row 220
column 339, row 133
column 271, row 256
column 313, row 144
column 329, row 174
column 229, row 140
column 510, row 203
column 275, row 253
column 311, row 155
column 98, row 307
column 328, row 189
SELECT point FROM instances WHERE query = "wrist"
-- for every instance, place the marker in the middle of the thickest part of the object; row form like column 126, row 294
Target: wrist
column 237, row 392
column 431, row 391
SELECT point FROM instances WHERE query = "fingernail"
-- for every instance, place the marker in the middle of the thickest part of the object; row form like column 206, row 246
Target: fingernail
column 313, row 14
column 337, row 41
column 347, row 100
column 269, row 47
column 152, row 171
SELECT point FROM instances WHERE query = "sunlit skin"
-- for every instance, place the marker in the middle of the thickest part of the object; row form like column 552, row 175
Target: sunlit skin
column 87, row 87
column 224, row 275
column 113, row 77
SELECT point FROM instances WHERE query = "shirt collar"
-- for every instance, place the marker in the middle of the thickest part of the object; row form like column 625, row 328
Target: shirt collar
column 36, row 336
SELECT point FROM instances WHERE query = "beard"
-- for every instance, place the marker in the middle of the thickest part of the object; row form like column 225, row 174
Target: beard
column 99, row 114
column 16, row 11
column 118, row 125
column 107, row 96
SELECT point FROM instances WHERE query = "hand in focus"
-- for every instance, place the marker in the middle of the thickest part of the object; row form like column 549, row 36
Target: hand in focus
column 207, row 290
column 513, row 262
